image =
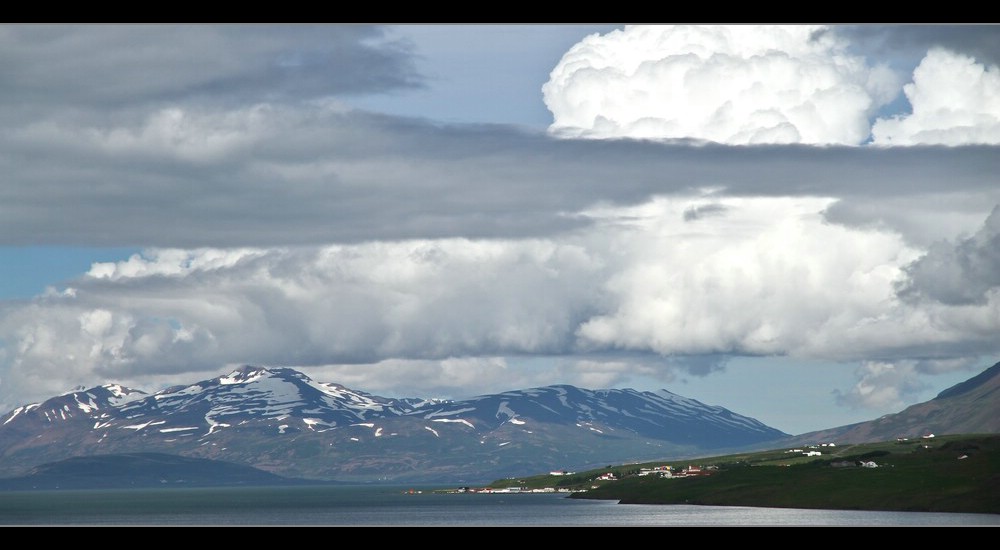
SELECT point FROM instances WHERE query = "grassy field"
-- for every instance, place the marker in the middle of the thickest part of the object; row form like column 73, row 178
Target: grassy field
column 921, row 475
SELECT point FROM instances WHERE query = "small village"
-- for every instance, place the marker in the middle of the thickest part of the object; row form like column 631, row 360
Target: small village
column 667, row 471
column 663, row 471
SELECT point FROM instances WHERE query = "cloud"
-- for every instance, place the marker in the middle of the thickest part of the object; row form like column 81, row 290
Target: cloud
column 449, row 378
column 768, row 278
column 134, row 136
column 729, row 84
column 907, row 44
column 882, row 385
column 274, row 175
column 955, row 101
column 84, row 70
column 962, row 273
column 174, row 312
column 695, row 212
column 921, row 218
column 463, row 377
column 640, row 293
column 610, row 370
column 890, row 385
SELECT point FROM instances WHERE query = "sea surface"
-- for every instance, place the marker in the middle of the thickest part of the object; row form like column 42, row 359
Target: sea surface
column 395, row 506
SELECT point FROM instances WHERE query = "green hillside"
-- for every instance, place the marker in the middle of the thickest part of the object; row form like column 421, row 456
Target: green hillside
column 959, row 473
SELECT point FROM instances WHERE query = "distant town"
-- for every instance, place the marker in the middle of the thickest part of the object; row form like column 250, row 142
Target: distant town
column 665, row 471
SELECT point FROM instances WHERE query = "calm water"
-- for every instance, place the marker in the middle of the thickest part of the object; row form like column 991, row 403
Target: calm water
column 368, row 506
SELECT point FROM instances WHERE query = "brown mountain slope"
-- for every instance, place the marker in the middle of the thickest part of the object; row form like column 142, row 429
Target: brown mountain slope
column 972, row 406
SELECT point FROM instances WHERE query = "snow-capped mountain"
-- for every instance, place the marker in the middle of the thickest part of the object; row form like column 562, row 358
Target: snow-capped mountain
column 279, row 419
column 658, row 415
column 253, row 394
column 99, row 403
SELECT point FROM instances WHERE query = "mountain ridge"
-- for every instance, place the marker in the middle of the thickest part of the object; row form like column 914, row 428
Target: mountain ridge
column 969, row 407
column 280, row 420
column 970, row 384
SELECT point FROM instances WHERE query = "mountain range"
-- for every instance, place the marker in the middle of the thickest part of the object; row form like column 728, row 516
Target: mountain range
column 281, row 421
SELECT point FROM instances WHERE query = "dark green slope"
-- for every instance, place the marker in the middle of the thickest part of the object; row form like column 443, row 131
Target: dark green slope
column 910, row 477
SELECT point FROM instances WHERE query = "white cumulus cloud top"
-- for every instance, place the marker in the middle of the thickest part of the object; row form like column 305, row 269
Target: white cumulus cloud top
column 742, row 84
column 955, row 100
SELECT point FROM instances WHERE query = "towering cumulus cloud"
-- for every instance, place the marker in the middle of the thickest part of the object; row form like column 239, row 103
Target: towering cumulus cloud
column 955, row 101
column 729, row 84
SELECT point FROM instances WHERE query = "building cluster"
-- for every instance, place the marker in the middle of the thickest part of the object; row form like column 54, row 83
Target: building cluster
column 813, row 452
column 504, row 490
column 670, row 472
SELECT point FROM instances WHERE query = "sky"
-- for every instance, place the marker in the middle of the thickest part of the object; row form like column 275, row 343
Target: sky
column 799, row 223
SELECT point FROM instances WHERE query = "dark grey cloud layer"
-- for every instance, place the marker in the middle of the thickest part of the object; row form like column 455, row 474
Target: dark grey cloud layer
column 80, row 67
column 958, row 273
column 283, row 175
column 906, row 44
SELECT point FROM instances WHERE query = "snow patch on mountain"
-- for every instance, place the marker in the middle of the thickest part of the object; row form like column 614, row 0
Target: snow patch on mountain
column 448, row 413
column 121, row 395
column 242, row 376
column 212, row 424
column 561, row 394
column 458, row 420
column 16, row 412
column 354, row 400
column 194, row 389
column 279, row 394
column 314, row 422
column 144, row 425
column 505, row 410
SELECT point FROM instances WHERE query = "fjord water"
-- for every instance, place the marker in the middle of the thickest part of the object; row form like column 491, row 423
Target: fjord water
column 384, row 505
